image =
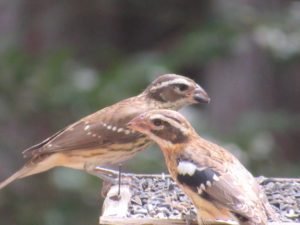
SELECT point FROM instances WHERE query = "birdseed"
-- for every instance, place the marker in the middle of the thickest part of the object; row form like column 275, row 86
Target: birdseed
column 160, row 197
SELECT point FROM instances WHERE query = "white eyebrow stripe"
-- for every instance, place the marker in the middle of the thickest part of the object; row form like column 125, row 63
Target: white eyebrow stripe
column 170, row 82
column 172, row 122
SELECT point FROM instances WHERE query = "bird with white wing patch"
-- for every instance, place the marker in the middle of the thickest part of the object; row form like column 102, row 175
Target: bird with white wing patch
column 220, row 187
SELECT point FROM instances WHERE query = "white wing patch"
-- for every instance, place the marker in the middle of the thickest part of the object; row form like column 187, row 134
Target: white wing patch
column 216, row 178
column 186, row 168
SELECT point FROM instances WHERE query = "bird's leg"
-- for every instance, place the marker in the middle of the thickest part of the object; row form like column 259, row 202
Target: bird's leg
column 120, row 177
column 108, row 175
column 112, row 176
column 109, row 178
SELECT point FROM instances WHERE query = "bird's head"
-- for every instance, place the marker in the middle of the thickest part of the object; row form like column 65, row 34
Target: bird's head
column 173, row 91
column 165, row 127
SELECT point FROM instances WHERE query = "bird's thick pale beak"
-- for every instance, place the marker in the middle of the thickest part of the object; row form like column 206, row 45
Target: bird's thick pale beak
column 136, row 123
column 200, row 96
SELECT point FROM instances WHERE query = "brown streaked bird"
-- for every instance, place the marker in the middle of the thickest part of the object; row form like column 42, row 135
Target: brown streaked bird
column 220, row 187
column 103, row 138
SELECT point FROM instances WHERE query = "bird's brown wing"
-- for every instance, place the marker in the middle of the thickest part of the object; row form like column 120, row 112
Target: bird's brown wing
column 105, row 127
column 235, row 189
column 223, row 179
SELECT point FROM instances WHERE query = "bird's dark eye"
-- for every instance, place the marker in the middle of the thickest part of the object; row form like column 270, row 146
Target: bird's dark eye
column 157, row 122
column 183, row 87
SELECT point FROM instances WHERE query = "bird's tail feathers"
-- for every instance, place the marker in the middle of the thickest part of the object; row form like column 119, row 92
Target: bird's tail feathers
column 33, row 167
column 23, row 172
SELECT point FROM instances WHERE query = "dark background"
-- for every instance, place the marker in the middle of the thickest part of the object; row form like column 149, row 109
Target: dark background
column 61, row 60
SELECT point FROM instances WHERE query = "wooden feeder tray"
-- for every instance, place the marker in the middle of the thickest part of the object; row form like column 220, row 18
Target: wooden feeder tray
column 155, row 199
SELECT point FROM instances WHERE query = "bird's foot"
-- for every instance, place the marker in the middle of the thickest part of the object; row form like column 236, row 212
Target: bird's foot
column 113, row 176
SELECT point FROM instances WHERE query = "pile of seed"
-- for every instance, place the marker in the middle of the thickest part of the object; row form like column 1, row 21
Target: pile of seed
column 159, row 197
column 284, row 196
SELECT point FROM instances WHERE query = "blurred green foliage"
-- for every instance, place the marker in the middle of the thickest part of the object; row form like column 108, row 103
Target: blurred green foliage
column 60, row 61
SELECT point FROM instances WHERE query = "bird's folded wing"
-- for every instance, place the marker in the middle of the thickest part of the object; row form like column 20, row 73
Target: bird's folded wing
column 88, row 133
column 234, row 192
column 228, row 187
